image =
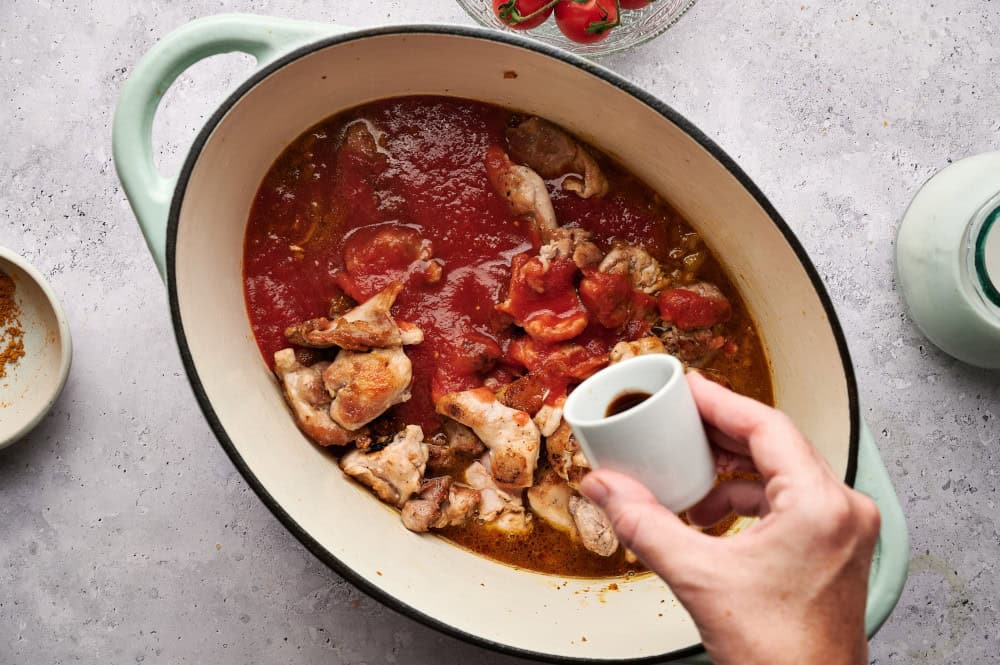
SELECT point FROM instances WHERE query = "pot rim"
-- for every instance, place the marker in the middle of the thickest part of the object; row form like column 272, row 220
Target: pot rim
column 608, row 76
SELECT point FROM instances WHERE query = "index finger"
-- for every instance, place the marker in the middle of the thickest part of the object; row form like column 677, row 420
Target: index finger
column 772, row 441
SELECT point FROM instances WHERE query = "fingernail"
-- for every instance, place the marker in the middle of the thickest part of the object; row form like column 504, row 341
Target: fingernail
column 594, row 489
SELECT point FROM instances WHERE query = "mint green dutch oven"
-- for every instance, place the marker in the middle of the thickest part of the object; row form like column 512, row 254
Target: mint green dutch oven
column 194, row 225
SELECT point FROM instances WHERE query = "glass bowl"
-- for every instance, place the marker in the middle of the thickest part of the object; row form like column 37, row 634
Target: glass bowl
column 637, row 26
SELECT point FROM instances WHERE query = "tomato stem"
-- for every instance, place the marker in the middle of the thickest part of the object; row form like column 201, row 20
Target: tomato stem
column 511, row 15
column 602, row 26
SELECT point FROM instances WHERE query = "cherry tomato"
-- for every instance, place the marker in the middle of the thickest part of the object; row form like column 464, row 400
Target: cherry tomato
column 511, row 12
column 634, row 4
column 586, row 22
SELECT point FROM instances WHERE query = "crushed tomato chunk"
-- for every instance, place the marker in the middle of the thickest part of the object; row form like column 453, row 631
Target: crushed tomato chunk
column 689, row 310
column 543, row 300
column 612, row 302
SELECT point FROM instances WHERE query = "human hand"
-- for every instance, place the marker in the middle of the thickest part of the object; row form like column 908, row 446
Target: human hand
column 789, row 589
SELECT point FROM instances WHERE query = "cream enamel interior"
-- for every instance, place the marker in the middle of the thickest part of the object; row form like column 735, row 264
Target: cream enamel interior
column 524, row 610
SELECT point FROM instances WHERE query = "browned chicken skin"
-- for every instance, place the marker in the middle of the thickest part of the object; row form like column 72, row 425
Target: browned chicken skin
column 524, row 190
column 524, row 394
column 644, row 272
column 566, row 457
column 497, row 507
column 309, row 400
column 365, row 385
column 512, row 438
column 369, row 325
column 454, row 443
column 395, row 472
column 640, row 347
column 572, row 243
column 441, row 503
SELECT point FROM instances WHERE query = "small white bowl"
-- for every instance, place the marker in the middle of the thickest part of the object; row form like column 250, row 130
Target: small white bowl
column 660, row 442
column 33, row 383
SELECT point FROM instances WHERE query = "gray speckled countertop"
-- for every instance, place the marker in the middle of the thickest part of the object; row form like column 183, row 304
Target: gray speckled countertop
column 126, row 535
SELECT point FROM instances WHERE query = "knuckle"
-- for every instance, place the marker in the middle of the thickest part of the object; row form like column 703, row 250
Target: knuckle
column 840, row 514
column 850, row 516
column 870, row 516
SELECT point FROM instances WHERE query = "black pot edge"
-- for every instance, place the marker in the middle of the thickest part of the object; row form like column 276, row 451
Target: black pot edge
column 663, row 109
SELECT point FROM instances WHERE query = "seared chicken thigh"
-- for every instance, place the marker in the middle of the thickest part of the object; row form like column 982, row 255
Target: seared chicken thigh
column 571, row 243
column 523, row 188
column 394, row 472
column 640, row 347
column 454, row 442
column 500, row 508
column 440, row 503
column 549, row 417
column 643, row 271
column 511, row 436
column 565, row 456
column 553, row 153
column 304, row 391
column 593, row 526
column 367, row 326
column 364, row 385
column 549, row 499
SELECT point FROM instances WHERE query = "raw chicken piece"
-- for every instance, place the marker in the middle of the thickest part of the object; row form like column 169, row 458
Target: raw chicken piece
column 566, row 457
column 367, row 326
column 393, row 472
column 511, row 436
column 643, row 271
column 593, row 526
column 440, row 503
column 552, row 153
column 571, row 243
column 640, row 347
column 549, row 499
column 309, row 400
column 523, row 188
column 496, row 506
column 364, row 385
column 454, row 442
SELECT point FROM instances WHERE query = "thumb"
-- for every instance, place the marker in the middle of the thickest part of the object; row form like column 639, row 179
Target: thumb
column 657, row 536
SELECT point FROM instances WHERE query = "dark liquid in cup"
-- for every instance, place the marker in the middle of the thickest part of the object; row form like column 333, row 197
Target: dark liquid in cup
column 626, row 401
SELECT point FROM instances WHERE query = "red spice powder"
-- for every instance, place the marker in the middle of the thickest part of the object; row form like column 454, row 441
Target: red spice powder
column 11, row 333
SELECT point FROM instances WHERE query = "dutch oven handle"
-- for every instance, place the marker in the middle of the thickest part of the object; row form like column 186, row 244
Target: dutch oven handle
column 147, row 190
column 892, row 553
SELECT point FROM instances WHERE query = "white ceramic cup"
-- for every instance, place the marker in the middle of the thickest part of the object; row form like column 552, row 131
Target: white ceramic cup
column 660, row 442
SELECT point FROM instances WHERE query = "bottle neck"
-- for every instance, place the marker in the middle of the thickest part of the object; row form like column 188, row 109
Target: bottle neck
column 982, row 255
